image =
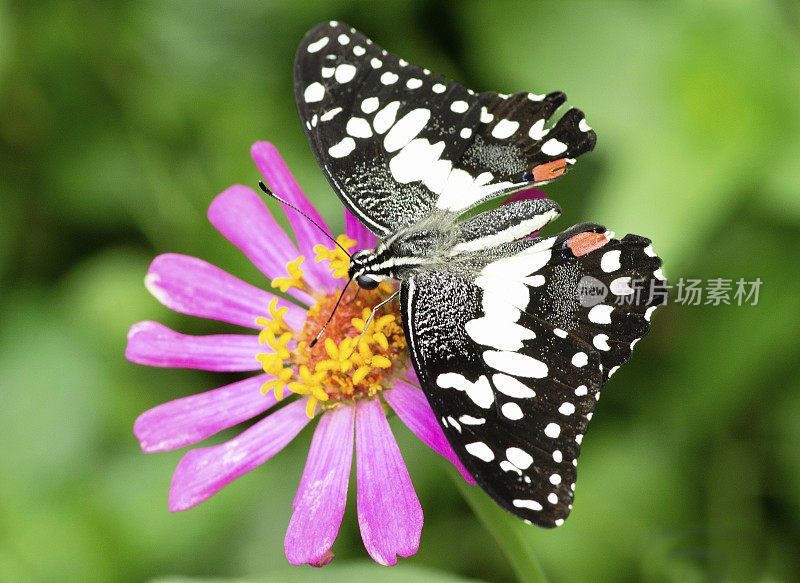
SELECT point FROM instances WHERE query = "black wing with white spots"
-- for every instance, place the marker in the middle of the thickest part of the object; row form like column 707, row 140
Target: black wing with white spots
column 398, row 142
column 513, row 347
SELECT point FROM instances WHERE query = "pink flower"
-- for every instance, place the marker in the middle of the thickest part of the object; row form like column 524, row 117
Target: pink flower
column 345, row 378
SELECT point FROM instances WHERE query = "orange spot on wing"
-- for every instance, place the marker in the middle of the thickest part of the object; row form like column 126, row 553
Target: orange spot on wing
column 550, row 170
column 584, row 243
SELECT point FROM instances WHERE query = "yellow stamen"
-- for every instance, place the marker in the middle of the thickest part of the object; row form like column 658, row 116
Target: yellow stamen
column 338, row 261
column 295, row 278
column 351, row 363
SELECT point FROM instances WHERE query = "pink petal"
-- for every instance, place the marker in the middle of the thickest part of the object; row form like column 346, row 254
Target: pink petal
column 526, row 194
column 192, row 286
column 280, row 180
column 243, row 219
column 412, row 407
column 389, row 512
column 321, row 497
column 203, row 472
column 364, row 238
column 154, row 344
column 191, row 419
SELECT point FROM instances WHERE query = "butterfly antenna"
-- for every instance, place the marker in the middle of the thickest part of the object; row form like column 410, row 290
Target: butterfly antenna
column 333, row 311
column 268, row 192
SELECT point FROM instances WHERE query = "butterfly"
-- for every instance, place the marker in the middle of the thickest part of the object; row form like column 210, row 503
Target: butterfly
column 511, row 336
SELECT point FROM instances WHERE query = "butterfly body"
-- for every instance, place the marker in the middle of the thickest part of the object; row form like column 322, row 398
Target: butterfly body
column 509, row 350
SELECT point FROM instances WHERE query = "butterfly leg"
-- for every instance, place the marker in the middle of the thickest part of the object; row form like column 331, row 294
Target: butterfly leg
column 375, row 310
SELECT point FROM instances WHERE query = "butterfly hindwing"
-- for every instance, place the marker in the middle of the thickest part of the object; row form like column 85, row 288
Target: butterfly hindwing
column 398, row 142
column 504, row 347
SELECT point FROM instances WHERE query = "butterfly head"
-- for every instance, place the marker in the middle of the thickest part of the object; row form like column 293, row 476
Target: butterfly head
column 362, row 269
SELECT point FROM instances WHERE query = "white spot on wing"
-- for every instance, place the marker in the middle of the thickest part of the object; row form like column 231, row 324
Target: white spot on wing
column 610, row 261
column 470, row 420
column 498, row 333
column 580, row 359
column 343, row 148
column 318, row 44
column 583, row 126
column 553, row 147
column 512, row 387
column 505, row 129
column 345, row 73
column 465, row 133
column 438, row 88
column 376, row 63
column 389, row 78
column 480, row 450
column 566, row 408
column 414, row 83
column 459, row 106
column 507, row 466
column 511, row 411
column 537, row 131
column 358, row 127
column 370, row 104
column 600, row 342
column 516, row 364
column 329, row 115
column 384, row 119
column 314, row 92
column 601, row 314
column 552, row 430
column 480, row 392
column 406, row 129
column 419, row 160
column 519, row 458
column 486, row 117
column 531, row 504
column 358, row 50
column 621, row 286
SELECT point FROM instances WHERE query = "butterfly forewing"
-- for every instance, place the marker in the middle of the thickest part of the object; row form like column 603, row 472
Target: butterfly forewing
column 398, row 142
column 507, row 350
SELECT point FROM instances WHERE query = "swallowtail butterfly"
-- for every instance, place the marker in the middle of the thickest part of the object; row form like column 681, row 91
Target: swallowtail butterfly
column 509, row 351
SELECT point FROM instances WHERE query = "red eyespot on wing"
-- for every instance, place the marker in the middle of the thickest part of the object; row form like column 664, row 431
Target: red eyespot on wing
column 550, row 170
column 584, row 243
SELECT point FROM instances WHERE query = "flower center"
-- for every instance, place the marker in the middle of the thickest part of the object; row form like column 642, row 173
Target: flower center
column 349, row 363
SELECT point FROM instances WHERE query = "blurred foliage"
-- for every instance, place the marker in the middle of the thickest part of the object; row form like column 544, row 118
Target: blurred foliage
column 120, row 121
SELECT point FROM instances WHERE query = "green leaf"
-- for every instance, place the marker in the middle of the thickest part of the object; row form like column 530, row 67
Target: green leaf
column 508, row 531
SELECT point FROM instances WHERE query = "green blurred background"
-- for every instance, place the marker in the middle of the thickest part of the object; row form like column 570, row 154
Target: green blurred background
column 119, row 123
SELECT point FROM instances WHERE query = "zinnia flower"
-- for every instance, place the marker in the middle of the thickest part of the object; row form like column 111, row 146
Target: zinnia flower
column 343, row 380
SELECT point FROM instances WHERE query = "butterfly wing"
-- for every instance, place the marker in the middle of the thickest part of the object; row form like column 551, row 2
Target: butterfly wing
column 398, row 142
column 512, row 359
